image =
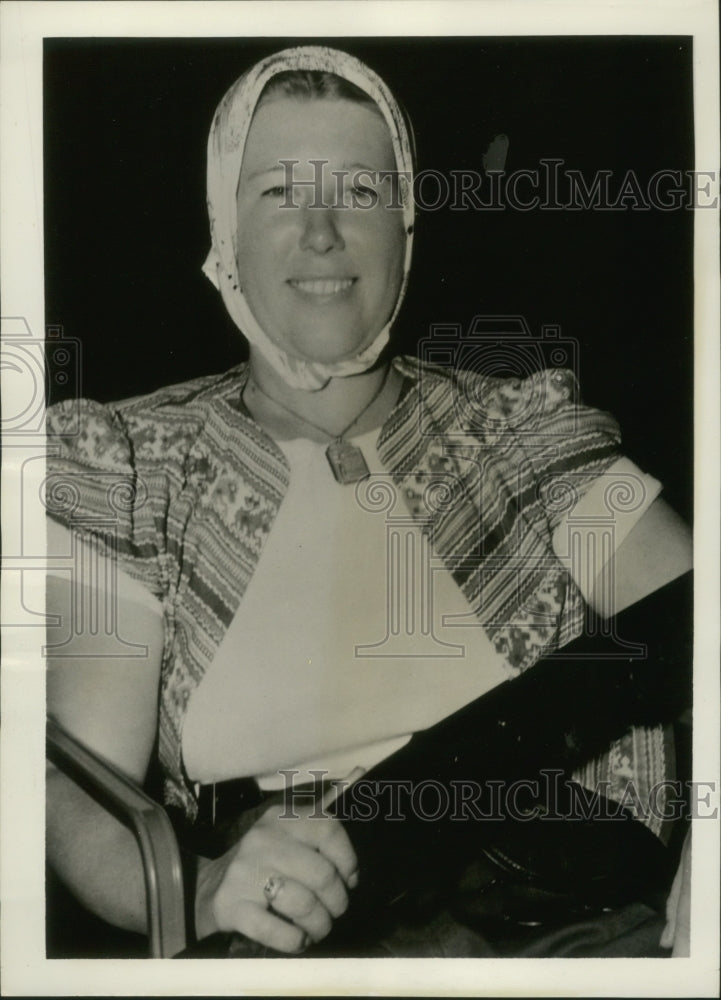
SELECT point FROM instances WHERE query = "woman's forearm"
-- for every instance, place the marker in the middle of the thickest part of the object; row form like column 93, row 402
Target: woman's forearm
column 95, row 856
column 555, row 716
column 109, row 704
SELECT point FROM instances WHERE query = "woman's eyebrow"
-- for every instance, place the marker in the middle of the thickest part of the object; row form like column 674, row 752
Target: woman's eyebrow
column 361, row 166
column 266, row 170
column 284, row 166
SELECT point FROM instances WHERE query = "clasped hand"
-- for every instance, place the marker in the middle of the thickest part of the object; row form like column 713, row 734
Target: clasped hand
column 312, row 865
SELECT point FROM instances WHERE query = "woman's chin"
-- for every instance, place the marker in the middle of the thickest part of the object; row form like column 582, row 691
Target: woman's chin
column 327, row 350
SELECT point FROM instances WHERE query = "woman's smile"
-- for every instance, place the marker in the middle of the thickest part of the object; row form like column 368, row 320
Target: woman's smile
column 320, row 290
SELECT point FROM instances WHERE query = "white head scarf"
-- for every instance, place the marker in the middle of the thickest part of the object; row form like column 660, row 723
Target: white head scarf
column 226, row 145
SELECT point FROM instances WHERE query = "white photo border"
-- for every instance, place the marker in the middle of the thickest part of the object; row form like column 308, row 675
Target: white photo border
column 24, row 967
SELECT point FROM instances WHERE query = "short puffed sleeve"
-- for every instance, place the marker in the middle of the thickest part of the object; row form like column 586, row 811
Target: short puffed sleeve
column 555, row 446
column 97, row 487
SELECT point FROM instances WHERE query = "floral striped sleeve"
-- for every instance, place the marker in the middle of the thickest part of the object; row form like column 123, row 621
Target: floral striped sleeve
column 558, row 446
column 96, row 488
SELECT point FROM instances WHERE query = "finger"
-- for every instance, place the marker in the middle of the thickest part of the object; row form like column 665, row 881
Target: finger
column 666, row 940
column 339, row 787
column 330, row 838
column 335, row 844
column 263, row 926
column 682, row 937
column 298, row 861
column 317, row 873
column 671, row 908
column 677, row 929
column 669, row 930
column 299, row 904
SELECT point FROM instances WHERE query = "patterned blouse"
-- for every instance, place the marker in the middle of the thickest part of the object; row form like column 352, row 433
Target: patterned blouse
column 183, row 487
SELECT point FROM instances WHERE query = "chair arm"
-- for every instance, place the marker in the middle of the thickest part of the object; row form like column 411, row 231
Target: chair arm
column 150, row 825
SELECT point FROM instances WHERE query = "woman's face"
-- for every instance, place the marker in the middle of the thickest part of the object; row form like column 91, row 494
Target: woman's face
column 321, row 281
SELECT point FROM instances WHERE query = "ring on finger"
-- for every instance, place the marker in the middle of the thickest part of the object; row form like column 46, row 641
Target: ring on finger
column 272, row 888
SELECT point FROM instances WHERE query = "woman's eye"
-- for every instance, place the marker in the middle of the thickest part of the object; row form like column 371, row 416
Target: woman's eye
column 279, row 191
column 363, row 196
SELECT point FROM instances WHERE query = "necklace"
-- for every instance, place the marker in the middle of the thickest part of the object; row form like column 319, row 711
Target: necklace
column 345, row 458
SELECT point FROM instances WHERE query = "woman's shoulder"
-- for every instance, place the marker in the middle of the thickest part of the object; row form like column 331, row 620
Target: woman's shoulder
column 539, row 401
column 158, row 423
column 201, row 390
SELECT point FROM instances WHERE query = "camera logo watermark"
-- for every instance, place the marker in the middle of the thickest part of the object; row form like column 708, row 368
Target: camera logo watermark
column 78, row 554
column 445, row 517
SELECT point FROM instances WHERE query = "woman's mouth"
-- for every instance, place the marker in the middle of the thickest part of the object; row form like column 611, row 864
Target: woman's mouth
column 321, row 286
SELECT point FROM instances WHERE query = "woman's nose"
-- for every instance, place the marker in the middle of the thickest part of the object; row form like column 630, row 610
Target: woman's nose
column 320, row 231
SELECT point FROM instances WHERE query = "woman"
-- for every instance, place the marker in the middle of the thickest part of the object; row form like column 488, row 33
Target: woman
column 252, row 565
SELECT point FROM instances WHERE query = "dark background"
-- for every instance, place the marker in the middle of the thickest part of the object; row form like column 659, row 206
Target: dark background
column 126, row 232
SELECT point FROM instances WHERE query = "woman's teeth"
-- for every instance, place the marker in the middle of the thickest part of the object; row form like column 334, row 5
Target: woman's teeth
column 323, row 286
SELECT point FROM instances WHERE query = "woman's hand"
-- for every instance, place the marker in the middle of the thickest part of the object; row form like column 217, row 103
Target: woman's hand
column 677, row 932
column 313, row 865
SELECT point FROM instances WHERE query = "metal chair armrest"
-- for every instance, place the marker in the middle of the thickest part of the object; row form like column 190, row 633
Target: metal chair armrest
column 150, row 825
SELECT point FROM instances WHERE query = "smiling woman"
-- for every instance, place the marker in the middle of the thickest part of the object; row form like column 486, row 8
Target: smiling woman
column 268, row 123
column 379, row 616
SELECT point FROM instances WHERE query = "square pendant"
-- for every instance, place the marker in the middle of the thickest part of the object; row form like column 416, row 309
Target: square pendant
column 347, row 462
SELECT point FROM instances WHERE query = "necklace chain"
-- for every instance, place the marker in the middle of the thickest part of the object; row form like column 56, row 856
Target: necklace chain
column 317, row 427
